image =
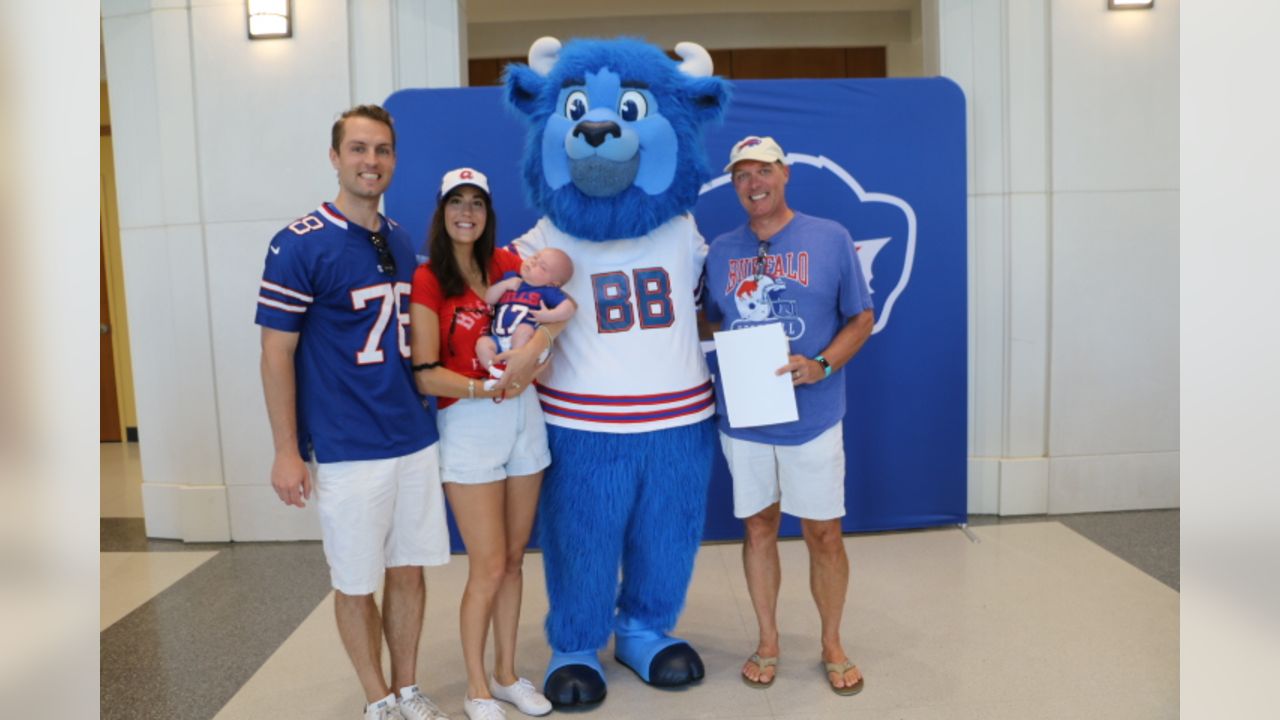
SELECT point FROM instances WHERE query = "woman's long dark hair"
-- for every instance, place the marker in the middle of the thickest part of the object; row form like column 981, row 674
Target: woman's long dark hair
column 440, row 247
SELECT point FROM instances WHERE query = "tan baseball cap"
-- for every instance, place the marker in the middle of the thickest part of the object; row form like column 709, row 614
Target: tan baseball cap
column 760, row 149
column 463, row 176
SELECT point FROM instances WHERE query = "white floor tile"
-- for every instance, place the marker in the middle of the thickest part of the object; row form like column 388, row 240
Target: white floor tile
column 129, row 579
column 120, row 480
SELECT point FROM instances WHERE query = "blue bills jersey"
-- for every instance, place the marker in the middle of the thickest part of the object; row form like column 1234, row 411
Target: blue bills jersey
column 356, row 399
column 515, row 306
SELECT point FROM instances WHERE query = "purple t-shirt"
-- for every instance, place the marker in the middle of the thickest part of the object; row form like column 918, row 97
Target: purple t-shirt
column 811, row 283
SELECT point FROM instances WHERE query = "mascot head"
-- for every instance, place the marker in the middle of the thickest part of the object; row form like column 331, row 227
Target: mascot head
column 615, row 138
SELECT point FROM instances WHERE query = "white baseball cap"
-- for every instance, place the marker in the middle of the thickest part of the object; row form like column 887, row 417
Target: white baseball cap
column 753, row 147
column 463, row 176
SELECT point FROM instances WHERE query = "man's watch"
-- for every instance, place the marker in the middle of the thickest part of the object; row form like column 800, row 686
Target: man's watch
column 826, row 366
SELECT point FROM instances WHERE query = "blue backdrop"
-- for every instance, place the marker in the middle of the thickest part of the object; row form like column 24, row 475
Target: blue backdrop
column 884, row 157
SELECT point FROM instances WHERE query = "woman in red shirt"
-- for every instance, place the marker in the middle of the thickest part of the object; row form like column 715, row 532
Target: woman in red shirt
column 492, row 454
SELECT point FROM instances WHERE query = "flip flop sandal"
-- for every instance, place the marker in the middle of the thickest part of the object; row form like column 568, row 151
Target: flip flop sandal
column 762, row 663
column 841, row 669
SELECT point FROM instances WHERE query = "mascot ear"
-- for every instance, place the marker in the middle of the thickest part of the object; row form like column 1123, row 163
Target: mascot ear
column 523, row 86
column 708, row 96
column 525, row 82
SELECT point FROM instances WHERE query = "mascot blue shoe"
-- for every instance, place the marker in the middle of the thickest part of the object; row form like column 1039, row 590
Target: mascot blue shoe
column 656, row 657
column 614, row 161
column 574, row 679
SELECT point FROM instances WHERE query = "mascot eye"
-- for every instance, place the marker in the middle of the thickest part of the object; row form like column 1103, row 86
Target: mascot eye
column 575, row 106
column 633, row 106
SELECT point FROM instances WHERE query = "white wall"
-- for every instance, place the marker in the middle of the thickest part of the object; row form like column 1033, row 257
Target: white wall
column 219, row 142
column 1073, row 185
column 1113, row 440
column 162, row 240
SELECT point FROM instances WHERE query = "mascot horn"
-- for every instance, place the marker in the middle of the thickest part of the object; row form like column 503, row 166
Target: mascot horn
column 614, row 162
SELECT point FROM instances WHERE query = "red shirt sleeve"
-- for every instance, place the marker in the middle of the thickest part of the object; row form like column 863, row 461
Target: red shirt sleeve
column 426, row 288
column 505, row 260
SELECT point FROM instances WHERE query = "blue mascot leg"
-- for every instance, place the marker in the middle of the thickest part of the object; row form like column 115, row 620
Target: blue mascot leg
column 582, row 517
column 662, row 541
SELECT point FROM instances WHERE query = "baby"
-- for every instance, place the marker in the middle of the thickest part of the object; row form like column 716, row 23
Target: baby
column 523, row 302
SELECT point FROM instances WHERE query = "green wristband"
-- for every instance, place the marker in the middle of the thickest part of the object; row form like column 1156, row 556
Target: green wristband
column 826, row 366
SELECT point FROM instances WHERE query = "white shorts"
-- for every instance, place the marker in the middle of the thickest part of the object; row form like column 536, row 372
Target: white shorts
column 482, row 441
column 376, row 514
column 808, row 478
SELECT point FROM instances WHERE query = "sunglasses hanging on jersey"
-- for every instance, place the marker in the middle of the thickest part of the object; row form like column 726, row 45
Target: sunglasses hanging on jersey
column 386, row 261
column 761, row 254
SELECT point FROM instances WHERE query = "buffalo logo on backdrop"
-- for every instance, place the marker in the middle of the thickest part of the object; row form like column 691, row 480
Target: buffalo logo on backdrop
column 883, row 227
column 884, row 158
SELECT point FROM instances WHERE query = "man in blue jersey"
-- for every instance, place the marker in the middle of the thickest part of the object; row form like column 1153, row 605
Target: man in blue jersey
column 333, row 306
column 801, row 272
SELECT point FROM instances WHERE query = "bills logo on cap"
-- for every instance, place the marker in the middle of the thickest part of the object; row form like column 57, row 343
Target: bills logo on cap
column 749, row 142
column 463, row 176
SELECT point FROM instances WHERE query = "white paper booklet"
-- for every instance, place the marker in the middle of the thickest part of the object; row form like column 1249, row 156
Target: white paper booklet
column 753, row 394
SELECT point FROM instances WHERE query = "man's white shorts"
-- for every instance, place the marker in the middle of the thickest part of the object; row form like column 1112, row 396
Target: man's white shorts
column 376, row 514
column 808, row 478
column 482, row 441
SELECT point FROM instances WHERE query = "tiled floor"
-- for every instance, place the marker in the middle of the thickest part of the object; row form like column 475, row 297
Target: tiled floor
column 1041, row 619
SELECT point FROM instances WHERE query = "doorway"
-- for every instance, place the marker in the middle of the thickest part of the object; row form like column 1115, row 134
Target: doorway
column 120, row 469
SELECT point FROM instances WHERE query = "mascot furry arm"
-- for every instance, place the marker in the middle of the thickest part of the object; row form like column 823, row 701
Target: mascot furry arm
column 614, row 161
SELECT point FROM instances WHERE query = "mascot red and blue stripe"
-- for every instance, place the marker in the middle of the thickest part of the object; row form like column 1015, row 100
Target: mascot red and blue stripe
column 614, row 162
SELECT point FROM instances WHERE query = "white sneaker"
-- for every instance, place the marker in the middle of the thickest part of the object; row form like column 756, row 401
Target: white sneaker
column 416, row 706
column 523, row 695
column 384, row 709
column 484, row 709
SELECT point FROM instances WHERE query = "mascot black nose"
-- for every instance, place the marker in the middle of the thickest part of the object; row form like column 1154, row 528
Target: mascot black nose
column 595, row 132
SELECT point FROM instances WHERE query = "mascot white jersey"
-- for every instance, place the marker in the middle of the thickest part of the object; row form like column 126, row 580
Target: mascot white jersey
column 630, row 360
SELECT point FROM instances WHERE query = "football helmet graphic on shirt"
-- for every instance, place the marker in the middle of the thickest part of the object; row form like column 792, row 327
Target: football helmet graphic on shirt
column 760, row 300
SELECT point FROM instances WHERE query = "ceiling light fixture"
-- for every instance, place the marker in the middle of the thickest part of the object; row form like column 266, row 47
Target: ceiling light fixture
column 269, row 19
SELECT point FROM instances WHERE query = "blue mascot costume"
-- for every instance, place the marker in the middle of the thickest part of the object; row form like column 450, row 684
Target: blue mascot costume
column 614, row 162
